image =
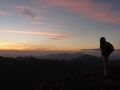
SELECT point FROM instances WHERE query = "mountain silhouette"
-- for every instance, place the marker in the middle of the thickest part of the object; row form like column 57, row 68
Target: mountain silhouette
column 95, row 61
column 29, row 73
column 62, row 56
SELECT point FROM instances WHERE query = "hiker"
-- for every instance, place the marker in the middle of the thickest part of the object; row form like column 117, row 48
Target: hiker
column 106, row 49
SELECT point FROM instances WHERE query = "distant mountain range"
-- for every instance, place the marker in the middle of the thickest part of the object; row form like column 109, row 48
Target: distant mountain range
column 79, row 57
column 66, row 56
column 61, row 56
column 95, row 61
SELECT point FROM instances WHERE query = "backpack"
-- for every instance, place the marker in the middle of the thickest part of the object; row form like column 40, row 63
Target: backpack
column 110, row 46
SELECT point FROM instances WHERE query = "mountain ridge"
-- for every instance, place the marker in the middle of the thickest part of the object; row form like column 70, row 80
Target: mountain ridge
column 61, row 56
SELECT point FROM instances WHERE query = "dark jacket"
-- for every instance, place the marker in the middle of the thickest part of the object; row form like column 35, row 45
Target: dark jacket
column 105, row 51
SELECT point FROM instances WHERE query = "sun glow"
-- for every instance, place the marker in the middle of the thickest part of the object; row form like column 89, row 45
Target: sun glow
column 13, row 46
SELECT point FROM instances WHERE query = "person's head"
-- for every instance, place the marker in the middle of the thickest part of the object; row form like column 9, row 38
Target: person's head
column 102, row 40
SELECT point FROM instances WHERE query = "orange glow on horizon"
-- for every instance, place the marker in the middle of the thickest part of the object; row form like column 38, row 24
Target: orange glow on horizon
column 27, row 47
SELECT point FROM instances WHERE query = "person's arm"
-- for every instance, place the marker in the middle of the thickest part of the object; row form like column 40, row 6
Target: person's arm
column 101, row 49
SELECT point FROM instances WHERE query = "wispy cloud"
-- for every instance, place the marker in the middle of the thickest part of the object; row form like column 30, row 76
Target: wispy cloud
column 97, row 11
column 39, row 33
column 57, row 38
column 4, row 13
column 37, row 23
column 28, row 11
column 21, row 7
column 37, row 18
column 25, row 10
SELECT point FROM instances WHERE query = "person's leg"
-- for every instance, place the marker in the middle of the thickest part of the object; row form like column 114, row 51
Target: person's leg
column 105, row 66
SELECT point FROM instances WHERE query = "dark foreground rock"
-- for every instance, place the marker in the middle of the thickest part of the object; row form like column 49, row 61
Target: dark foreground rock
column 87, row 81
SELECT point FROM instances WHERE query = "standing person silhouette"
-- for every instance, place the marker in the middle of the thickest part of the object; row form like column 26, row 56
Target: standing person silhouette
column 106, row 49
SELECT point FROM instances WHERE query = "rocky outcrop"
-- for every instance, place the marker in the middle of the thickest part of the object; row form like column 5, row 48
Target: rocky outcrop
column 87, row 81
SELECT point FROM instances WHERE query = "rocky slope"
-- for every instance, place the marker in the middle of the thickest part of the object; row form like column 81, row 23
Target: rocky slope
column 87, row 81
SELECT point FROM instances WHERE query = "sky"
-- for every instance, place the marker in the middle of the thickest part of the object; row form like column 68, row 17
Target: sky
column 58, row 25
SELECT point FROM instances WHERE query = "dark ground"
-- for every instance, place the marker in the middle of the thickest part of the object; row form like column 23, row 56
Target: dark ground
column 43, row 74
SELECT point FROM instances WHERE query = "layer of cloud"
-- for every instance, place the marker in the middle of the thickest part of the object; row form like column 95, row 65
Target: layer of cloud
column 37, row 23
column 53, row 34
column 94, row 49
column 37, row 18
column 97, row 11
column 59, row 37
column 4, row 13
column 117, row 49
